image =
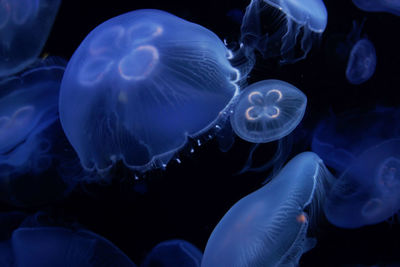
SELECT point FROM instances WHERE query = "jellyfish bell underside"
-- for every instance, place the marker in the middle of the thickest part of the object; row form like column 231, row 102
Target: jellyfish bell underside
column 267, row 111
column 112, row 108
column 390, row 6
column 362, row 62
column 368, row 191
column 269, row 226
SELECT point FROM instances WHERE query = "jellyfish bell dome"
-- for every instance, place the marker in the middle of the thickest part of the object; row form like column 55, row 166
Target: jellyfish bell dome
column 139, row 85
column 269, row 226
column 368, row 191
column 267, row 111
column 311, row 13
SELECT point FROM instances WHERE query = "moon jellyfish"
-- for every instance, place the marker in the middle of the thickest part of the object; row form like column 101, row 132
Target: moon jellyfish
column 24, row 27
column 391, row 6
column 28, row 129
column 338, row 144
column 139, row 85
column 173, row 253
column 362, row 62
column 273, row 27
column 269, row 226
column 267, row 111
column 368, row 191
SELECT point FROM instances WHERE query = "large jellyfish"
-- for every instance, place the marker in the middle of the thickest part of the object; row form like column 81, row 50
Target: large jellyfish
column 24, row 27
column 274, row 26
column 174, row 252
column 29, row 129
column 39, row 241
column 269, row 226
column 368, row 192
column 139, row 85
column 362, row 62
column 267, row 111
column 391, row 6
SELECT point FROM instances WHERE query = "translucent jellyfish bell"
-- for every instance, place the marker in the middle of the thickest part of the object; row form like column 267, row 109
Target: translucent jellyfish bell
column 173, row 253
column 139, row 85
column 24, row 27
column 368, row 191
column 391, row 6
column 362, row 62
column 308, row 17
column 268, row 110
column 269, row 226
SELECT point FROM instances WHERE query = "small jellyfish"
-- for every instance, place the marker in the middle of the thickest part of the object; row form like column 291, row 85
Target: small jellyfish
column 391, row 6
column 369, row 189
column 24, row 27
column 267, row 111
column 305, row 19
column 173, row 253
column 139, row 85
column 362, row 62
column 269, row 226
column 29, row 129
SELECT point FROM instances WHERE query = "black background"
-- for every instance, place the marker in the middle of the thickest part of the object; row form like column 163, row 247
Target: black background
column 187, row 200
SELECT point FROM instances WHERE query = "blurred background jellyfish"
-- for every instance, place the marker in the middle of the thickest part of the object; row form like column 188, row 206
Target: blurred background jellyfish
column 39, row 240
column 267, row 111
column 338, row 144
column 24, row 28
column 30, row 133
column 269, row 226
column 139, row 85
column 391, row 6
column 273, row 27
column 369, row 189
column 179, row 253
column 362, row 62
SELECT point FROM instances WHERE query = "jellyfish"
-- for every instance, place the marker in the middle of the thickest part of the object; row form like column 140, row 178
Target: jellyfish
column 41, row 241
column 267, row 111
column 338, row 145
column 24, row 28
column 368, row 190
column 29, row 131
column 286, row 22
column 173, row 253
column 139, row 85
column 269, row 226
column 390, row 6
column 362, row 62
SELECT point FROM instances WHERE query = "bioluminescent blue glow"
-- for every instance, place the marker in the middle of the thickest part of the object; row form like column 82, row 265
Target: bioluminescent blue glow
column 268, row 227
column 303, row 19
column 362, row 62
column 24, row 27
column 139, row 85
column 390, row 6
column 28, row 128
column 368, row 191
column 338, row 144
column 173, row 253
column 268, row 110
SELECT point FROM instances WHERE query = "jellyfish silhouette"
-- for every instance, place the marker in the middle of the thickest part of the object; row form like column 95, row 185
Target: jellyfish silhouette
column 139, row 85
column 305, row 20
column 37, row 241
column 173, row 253
column 268, row 110
column 29, row 131
column 368, row 191
column 269, row 226
column 390, row 6
column 362, row 62
column 24, row 27
column 338, row 145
